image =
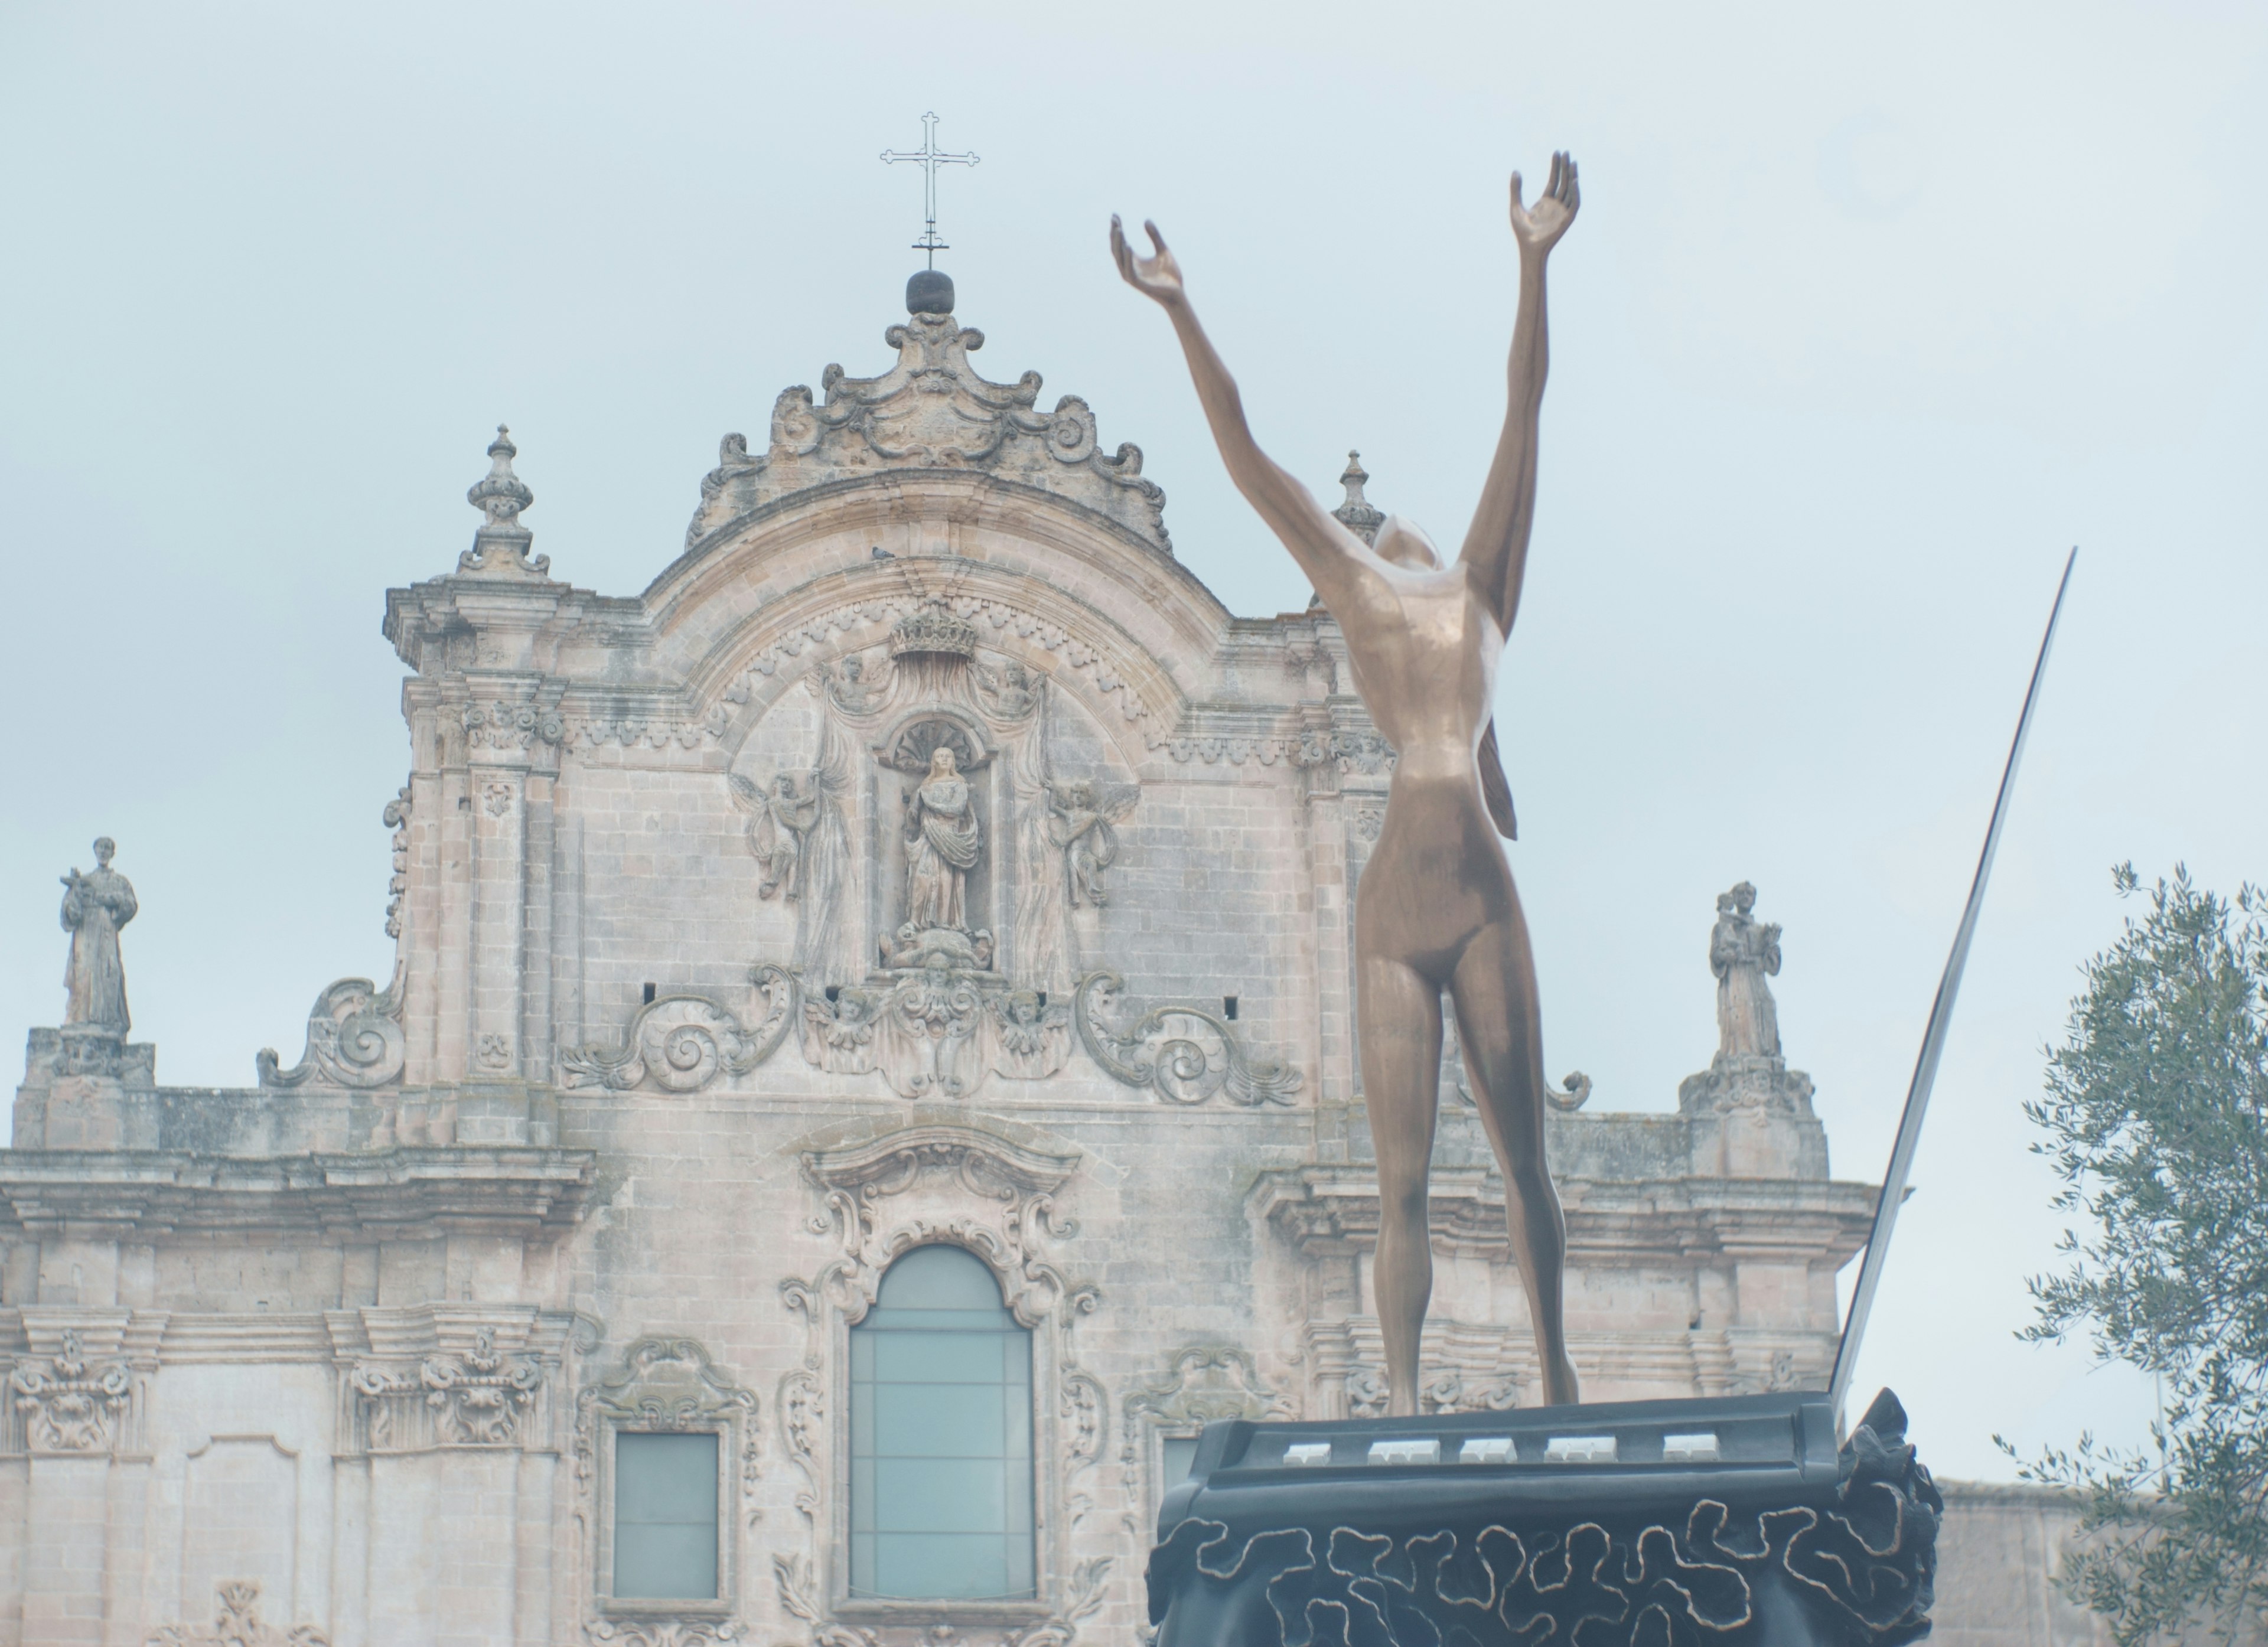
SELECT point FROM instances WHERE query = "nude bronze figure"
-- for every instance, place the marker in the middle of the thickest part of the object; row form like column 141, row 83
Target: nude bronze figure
column 1436, row 909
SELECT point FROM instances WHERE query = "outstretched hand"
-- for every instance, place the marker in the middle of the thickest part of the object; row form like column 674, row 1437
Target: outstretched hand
column 1158, row 278
column 1538, row 227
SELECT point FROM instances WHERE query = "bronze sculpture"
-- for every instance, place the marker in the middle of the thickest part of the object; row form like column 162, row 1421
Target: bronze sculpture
column 1436, row 909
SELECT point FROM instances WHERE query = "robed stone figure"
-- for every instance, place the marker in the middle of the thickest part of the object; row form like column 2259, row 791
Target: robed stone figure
column 942, row 841
column 1743, row 954
column 1435, row 910
column 95, row 906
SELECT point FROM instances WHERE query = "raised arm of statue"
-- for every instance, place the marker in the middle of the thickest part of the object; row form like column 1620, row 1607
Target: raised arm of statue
column 1495, row 555
column 1336, row 562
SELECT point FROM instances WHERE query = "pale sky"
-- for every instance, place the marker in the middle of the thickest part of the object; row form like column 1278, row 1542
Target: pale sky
column 1868, row 318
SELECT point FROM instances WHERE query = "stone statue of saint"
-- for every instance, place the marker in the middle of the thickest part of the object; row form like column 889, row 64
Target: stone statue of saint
column 95, row 906
column 942, row 842
column 1742, row 955
column 1436, row 909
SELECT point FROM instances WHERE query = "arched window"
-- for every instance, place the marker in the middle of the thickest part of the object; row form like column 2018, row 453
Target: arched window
column 940, row 1437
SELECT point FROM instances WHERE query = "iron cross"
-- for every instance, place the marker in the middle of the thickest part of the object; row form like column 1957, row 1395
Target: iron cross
column 929, row 156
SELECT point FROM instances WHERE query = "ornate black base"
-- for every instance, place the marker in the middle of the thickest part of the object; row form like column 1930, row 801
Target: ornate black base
column 1643, row 1523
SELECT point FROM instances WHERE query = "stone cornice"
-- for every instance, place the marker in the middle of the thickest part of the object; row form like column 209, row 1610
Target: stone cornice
column 531, row 1193
column 1332, row 1210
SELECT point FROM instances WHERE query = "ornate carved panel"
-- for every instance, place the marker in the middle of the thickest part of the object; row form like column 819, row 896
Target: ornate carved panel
column 476, row 1397
column 940, row 1178
column 669, row 1383
column 237, row 1623
column 71, row 1402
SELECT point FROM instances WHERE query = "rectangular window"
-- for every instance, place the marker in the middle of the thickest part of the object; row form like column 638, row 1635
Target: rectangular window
column 665, row 1516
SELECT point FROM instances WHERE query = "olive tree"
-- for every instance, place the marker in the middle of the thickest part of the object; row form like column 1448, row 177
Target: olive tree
column 2157, row 1121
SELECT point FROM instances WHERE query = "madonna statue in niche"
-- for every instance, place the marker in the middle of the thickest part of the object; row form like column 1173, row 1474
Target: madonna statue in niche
column 942, row 841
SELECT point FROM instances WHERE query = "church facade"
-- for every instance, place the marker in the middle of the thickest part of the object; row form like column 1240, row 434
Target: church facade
column 868, row 1073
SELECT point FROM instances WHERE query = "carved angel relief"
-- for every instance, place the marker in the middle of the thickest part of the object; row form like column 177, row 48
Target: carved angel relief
column 1080, row 813
column 796, row 831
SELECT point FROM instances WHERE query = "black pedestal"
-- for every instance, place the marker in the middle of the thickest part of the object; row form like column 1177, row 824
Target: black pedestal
column 1735, row 1522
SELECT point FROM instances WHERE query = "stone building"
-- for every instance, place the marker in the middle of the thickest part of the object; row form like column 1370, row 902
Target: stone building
column 867, row 1075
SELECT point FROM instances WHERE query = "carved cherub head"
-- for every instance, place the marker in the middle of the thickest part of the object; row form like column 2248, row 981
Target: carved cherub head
column 1023, row 1007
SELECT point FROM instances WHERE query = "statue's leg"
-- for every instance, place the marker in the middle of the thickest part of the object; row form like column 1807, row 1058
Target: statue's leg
column 1499, row 1024
column 1399, row 1012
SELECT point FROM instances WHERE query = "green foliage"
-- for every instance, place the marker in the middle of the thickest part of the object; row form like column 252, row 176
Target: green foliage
column 2156, row 1117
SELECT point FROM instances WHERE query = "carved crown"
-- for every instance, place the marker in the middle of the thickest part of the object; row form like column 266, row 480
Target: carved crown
column 933, row 630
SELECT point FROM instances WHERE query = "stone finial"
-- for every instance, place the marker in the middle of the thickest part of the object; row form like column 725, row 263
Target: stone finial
column 1357, row 514
column 501, row 544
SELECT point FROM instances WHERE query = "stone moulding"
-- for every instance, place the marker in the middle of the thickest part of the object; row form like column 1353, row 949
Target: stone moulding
column 682, row 1043
column 1331, row 1209
column 527, row 1193
column 354, row 1038
column 1179, row 1067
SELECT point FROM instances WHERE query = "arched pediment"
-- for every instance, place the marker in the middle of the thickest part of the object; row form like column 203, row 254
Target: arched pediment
column 1129, row 633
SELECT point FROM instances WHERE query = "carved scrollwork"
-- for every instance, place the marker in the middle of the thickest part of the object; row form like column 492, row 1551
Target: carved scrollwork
column 932, row 1028
column 237, row 1623
column 72, row 1405
column 680, row 1043
column 1012, row 1183
column 1180, row 1068
column 662, row 1632
column 511, row 725
column 354, row 1038
column 802, row 1408
column 932, row 410
column 476, row 1398
column 796, row 1580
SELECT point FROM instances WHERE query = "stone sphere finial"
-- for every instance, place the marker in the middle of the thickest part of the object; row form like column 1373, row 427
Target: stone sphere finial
column 930, row 292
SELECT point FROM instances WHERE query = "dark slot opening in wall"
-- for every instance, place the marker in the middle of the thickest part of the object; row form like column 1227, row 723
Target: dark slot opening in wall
column 1043, row 1000
column 833, row 993
column 1228, row 1007
column 649, row 995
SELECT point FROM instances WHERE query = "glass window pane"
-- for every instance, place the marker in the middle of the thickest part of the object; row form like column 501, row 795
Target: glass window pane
column 939, row 1278
column 665, row 1516
column 941, row 1436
